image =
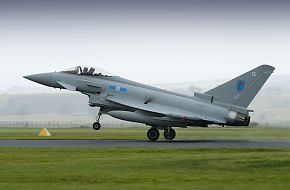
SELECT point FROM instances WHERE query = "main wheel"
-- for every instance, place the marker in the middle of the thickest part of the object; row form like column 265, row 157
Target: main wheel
column 153, row 134
column 96, row 126
column 169, row 134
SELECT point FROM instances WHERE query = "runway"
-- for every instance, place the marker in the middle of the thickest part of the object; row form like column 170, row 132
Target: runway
column 147, row 143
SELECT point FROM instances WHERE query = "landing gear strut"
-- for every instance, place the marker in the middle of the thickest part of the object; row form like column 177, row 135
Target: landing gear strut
column 97, row 125
column 153, row 134
column 169, row 133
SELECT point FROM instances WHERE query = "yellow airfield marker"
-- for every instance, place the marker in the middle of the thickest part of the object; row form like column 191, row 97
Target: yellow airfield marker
column 44, row 133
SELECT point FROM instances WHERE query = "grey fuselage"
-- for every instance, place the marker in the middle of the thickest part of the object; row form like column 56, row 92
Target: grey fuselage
column 99, row 88
column 127, row 100
column 136, row 102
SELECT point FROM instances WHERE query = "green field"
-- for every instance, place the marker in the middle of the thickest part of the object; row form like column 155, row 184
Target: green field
column 140, row 133
column 144, row 168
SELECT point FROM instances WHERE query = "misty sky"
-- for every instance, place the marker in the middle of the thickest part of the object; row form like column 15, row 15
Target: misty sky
column 150, row 41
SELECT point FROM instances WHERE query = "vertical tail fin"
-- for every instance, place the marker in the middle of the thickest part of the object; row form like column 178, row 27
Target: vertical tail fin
column 242, row 90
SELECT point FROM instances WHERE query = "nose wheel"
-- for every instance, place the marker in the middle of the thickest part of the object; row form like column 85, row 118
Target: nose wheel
column 97, row 125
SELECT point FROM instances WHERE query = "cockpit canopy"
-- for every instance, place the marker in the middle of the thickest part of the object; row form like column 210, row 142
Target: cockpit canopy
column 87, row 70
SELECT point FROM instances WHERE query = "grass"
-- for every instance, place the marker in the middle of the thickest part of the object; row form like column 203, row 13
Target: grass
column 144, row 168
column 140, row 133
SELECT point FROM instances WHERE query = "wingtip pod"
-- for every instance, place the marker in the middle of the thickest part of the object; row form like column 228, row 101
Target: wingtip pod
column 267, row 68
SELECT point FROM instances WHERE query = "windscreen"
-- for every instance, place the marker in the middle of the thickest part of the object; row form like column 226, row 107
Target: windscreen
column 87, row 70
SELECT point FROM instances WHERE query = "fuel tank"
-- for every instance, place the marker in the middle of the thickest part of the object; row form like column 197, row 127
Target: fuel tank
column 140, row 117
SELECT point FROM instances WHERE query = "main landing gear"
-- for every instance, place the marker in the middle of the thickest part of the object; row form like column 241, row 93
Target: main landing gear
column 169, row 133
column 153, row 134
column 97, row 125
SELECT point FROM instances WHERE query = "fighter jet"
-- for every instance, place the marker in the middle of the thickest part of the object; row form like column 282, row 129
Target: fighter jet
column 225, row 105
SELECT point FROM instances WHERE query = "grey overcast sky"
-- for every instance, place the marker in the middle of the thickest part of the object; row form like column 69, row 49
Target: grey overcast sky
column 152, row 41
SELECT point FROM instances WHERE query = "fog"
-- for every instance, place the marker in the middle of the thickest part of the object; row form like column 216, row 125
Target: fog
column 180, row 45
column 147, row 41
column 52, row 108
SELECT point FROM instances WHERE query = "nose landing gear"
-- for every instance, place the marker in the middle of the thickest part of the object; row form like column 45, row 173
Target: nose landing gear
column 97, row 125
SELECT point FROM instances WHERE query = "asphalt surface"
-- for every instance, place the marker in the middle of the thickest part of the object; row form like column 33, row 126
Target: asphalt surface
column 147, row 143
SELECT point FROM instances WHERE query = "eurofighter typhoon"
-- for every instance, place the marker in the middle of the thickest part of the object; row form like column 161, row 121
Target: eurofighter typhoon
column 161, row 109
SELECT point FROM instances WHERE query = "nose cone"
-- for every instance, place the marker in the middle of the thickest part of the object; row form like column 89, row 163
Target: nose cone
column 43, row 78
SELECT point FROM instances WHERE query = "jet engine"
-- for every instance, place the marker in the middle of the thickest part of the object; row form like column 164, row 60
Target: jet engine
column 238, row 119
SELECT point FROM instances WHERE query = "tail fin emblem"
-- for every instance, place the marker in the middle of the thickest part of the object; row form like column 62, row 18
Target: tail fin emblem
column 240, row 85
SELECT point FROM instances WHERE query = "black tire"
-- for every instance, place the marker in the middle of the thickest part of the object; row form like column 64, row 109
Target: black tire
column 97, row 126
column 169, row 134
column 153, row 134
